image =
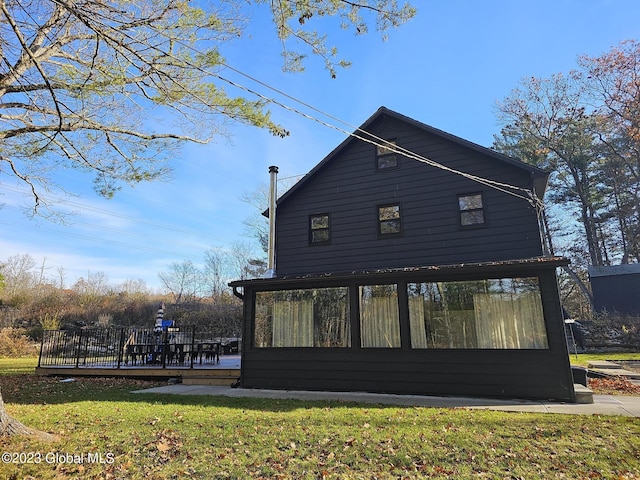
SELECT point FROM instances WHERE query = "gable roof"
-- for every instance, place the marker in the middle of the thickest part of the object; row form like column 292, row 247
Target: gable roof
column 538, row 175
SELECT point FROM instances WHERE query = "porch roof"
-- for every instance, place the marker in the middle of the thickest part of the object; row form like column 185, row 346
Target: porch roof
column 450, row 271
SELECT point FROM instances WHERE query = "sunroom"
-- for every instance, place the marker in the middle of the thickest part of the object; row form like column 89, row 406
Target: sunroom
column 484, row 329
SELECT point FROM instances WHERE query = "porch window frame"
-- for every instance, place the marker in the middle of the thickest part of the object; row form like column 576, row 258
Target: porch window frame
column 515, row 276
column 312, row 324
column 402, row 281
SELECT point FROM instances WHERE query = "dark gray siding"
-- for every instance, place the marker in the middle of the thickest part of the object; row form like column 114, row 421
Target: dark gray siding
column 616, row 288
column 349, row 188
column 539, row 374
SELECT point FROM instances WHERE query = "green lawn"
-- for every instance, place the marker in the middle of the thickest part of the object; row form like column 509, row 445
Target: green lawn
column 584, row 358
column 104, row 431
column 22, row 365
column 27, row 364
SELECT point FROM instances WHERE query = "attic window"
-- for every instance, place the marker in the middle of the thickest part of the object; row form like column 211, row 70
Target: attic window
column 389, row 221
column 471, row 209
column 319, row 229
column 386, row 158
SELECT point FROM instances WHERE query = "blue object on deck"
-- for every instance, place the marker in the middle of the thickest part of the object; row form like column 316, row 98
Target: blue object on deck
column 162, row 325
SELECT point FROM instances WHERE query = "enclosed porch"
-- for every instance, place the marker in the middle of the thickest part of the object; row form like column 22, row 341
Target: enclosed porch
column 491, row 329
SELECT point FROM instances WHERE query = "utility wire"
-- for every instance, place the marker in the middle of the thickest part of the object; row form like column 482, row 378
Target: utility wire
column 363, row 135
column 528, row 195
column 383, row 142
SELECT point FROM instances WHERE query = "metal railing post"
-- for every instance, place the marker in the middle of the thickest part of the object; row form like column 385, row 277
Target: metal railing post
column 78, row 349
column 120, row 347
column 165, row 346
column 44, row 332
column 193, row 344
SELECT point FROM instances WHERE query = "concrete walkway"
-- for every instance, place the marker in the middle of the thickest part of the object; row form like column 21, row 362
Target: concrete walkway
column 628, row 406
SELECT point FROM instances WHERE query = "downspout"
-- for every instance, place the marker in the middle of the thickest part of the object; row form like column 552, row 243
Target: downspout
column 273, row 195
column 238, row 293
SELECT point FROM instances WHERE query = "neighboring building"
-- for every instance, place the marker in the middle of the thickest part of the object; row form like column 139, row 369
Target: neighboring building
column 396, row 275
column 616, row 289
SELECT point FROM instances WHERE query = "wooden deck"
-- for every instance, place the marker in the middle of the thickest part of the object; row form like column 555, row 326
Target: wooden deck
column 226, row 372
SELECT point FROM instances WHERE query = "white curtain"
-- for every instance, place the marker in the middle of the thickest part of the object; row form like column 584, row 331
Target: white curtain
column 416, row 323
column 293, row 323
column 510, row 321
column 379, row 322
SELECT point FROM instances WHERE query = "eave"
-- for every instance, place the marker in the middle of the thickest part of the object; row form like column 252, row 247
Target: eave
column 441, row 272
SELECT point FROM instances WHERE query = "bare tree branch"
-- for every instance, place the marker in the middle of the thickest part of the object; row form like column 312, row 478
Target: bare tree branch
column 80, row 80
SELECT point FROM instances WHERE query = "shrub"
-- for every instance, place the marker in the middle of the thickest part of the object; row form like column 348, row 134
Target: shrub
column 15, row 343
column 612, row 330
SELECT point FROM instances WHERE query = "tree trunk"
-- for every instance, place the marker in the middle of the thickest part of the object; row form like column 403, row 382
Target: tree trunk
column 10, row 426
column 578, row 281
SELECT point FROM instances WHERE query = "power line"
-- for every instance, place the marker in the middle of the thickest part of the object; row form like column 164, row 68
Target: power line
column 526, row 194
column 529, row 195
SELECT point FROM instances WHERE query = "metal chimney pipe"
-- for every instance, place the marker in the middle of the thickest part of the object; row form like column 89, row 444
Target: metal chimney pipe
column 273, row 195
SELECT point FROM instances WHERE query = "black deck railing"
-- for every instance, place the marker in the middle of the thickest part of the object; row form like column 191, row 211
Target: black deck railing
column 126, row 347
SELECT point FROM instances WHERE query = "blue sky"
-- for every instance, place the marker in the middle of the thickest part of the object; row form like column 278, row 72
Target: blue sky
column 447, row 68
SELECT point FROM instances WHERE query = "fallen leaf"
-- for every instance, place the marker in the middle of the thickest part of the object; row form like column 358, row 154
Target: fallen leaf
column 163, row 447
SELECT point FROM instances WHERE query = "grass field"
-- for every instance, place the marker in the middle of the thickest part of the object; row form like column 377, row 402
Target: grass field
column 105, row 432
column 584, row 358
column 22, row 365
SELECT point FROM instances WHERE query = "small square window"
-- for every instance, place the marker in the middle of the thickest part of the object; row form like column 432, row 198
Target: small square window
column 471, row 208
column 386, row 158
column 319, row 229
column 389, row 220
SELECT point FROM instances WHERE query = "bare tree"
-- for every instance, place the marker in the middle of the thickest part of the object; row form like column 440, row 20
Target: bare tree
column 18, row 273
column 183, row 281
column 62, row 273
column 244, row 263
column 96, row 284
column 91, row 84
column 257, row 225
column 133, row 287
column 215, row 276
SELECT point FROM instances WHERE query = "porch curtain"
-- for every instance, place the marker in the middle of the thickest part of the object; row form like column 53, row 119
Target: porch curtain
column 416, row 323
column 380, row 324
column 293, row 323
column 510, row 321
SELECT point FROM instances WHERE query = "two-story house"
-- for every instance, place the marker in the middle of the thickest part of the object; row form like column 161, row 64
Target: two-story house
column 409, row 261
